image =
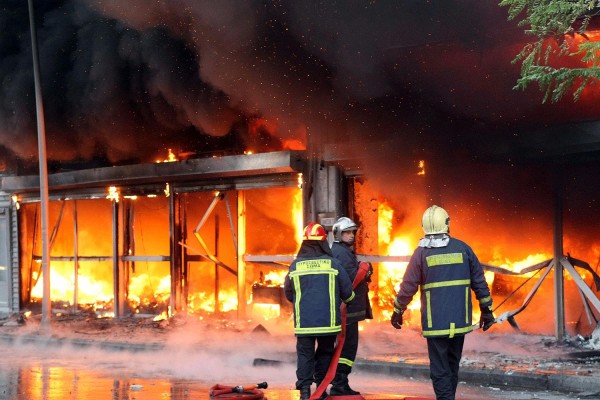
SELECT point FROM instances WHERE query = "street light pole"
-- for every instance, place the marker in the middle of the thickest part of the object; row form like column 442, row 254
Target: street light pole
column 41, row 131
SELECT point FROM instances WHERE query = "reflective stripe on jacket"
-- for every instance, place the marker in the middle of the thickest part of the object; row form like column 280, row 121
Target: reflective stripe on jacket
column 446, row 276
column 317, row 287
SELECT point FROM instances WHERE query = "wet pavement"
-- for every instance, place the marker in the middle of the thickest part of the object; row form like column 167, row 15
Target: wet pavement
column 181, row 359
column 49, row 374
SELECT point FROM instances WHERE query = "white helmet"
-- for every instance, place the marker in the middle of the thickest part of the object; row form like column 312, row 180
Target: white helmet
column 435, row 220
column 342, row 225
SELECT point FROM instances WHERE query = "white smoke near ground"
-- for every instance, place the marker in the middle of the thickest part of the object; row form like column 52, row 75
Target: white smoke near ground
column 229, row 357
column 195, row 351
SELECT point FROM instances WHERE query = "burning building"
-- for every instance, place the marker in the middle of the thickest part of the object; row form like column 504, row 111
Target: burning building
column 335, row 119
column 154, row 238
column 213, row 237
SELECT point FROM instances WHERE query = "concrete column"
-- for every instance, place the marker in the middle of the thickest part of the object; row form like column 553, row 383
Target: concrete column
column 329, row 194
column 5, row 259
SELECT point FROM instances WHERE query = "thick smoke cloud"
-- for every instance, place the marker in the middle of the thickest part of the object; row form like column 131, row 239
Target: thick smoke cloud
column 128, row 80
column 124, row 82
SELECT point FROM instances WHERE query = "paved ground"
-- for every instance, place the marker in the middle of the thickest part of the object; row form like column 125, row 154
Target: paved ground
column 504, row 359
column 513, row 360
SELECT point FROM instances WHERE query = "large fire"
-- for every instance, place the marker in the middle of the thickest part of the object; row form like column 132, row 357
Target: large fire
column 149, row 282
column 402, row 244
column 275, row 223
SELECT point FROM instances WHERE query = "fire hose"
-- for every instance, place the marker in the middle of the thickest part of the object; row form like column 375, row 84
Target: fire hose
column 248, row 392
column 363, row 268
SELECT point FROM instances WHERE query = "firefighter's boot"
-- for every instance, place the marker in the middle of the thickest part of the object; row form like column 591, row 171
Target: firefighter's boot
column 340, row 386
column 305, row 393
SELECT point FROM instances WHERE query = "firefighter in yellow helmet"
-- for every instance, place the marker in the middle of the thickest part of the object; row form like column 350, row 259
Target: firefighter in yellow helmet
column 446, row 270
column 316, row 284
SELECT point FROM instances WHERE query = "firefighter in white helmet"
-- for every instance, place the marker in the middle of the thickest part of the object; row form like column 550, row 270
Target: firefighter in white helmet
column 317, row 284
column 446, row 270
column 359, row 309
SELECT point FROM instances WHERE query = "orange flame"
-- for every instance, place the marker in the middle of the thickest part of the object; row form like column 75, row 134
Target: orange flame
column 390, row 273
column 170, row 158
column 421, row 167
column 298, row 215
column 113, row 194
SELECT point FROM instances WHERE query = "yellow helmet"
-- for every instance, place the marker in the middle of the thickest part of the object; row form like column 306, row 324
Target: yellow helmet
column 435, row 220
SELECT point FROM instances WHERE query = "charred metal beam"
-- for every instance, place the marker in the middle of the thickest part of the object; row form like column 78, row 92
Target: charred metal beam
column 585, row 289
column 222, row 168
column 37, row 257
column 177, row 302
column 505, row 271
column 288, row 258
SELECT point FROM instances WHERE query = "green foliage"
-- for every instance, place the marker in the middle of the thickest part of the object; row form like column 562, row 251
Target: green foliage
column 553, row 24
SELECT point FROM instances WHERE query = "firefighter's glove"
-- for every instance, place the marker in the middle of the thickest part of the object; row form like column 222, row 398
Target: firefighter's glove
column 487, row 318
column 397, row 318
column 369, row 273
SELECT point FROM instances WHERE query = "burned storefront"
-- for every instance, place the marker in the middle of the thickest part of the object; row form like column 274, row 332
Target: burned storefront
column 154, row 239
column 205, row 237
column 213, row 237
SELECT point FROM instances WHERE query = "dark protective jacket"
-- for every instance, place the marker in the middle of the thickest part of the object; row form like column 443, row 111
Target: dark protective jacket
column 446, row 276
column 358, row 309
column 317, row 284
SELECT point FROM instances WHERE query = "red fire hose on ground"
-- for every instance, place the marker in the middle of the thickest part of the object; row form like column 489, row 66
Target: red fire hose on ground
column 249, row 392
column 363, row 268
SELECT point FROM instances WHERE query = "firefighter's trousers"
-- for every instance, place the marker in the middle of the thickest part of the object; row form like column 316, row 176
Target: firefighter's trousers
column 348, row 354
column 444, row 362
column 312, row 365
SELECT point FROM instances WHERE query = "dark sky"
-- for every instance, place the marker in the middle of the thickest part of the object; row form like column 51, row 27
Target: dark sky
column 124, row 81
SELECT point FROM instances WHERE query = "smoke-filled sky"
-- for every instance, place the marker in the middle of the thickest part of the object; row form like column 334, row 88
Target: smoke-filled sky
column 400, row 81
column 126, row 81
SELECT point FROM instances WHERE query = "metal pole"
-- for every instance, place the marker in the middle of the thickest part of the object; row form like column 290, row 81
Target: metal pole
column 217, row 265
column 559, row 299
column 176, row 302
column 41, row 131
column 115, row 258
column 241, row 251
column 183, row 252
column 75, row 258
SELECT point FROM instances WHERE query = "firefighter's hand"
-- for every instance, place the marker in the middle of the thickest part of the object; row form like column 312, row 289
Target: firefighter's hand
column 369, row 273
column 487, row 318
column 397, row 320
